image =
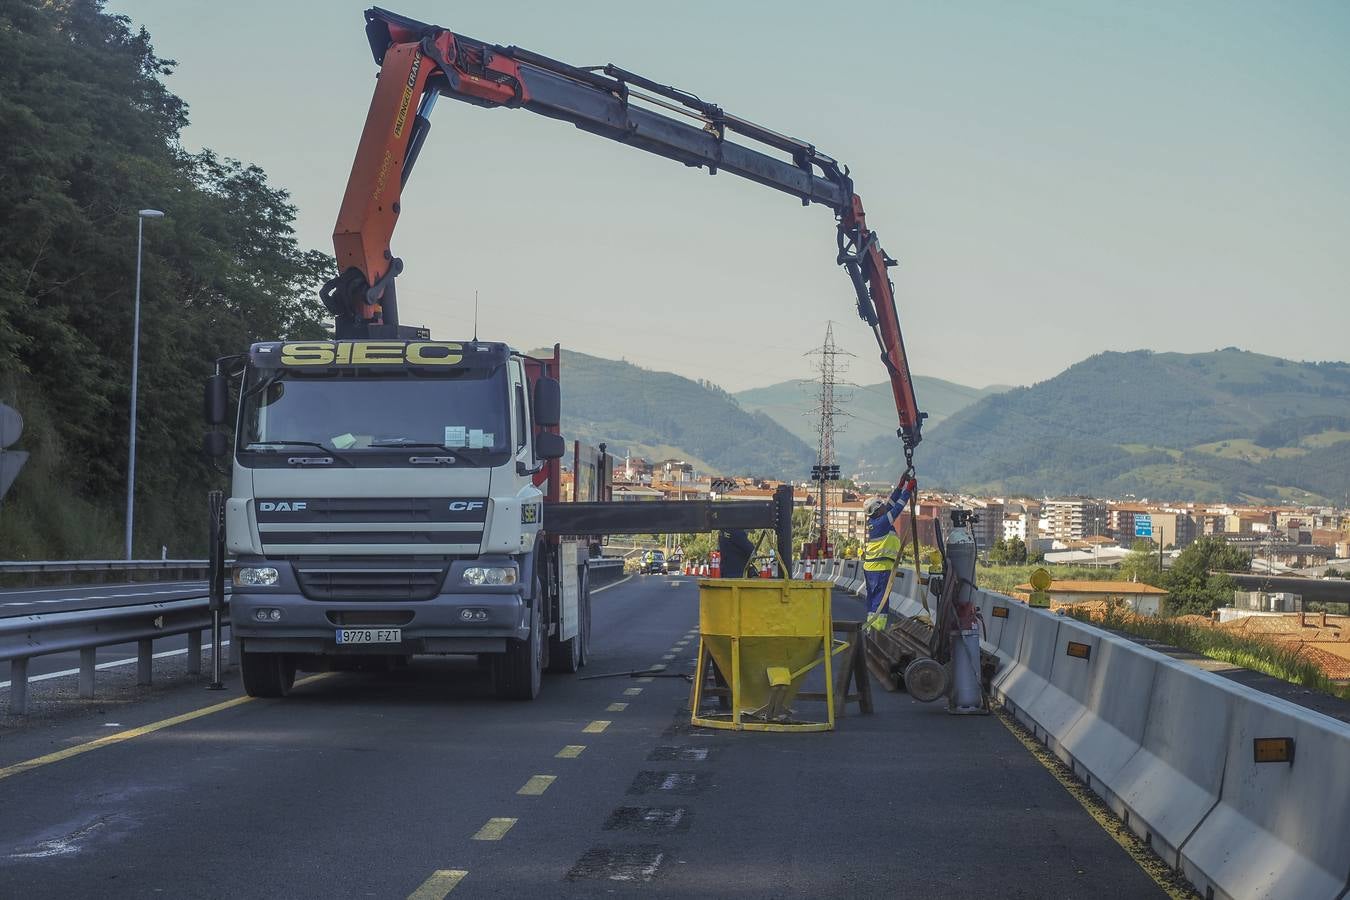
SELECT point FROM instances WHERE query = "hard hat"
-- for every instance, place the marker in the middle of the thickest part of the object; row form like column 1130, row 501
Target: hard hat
column 873, row 506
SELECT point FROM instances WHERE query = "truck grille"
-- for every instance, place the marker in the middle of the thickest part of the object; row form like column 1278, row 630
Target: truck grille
column 370, row 584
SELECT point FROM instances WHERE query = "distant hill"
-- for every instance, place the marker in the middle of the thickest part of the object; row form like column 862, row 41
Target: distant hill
column 1226, row 425
column 870, row 408
column 659, row 415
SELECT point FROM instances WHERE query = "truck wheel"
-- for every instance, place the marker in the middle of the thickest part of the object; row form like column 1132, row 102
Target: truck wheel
column 569, row 655
column 267, row 674
column 518, row 673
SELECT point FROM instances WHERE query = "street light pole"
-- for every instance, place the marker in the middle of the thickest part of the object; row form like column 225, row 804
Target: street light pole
column 135, row 366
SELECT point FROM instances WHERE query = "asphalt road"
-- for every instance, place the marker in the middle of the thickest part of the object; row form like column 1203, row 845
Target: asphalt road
column 419, row 783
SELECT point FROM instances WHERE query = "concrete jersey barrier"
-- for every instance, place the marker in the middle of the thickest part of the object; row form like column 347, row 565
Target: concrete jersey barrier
column 1170, row 748
column 1279, row 829
column 852, row 575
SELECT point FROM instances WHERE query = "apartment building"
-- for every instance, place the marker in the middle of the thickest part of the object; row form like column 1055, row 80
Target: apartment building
column 1075, row 518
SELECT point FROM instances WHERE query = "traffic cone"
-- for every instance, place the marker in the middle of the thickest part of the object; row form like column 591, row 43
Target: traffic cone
column 703, row 569
column 807, row 573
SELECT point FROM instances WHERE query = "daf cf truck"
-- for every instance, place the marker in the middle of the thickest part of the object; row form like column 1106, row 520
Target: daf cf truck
column 386, row 500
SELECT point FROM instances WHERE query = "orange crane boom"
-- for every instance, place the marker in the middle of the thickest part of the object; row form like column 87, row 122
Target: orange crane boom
column 421, row 62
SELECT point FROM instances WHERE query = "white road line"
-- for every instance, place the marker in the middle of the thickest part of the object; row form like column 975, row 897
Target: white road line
column 608, row 586
column 112, row 664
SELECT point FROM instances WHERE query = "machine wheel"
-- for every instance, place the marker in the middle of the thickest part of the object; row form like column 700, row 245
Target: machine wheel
column 518, row 673
column 569, row 655
column 926, row 679
column 267, row 674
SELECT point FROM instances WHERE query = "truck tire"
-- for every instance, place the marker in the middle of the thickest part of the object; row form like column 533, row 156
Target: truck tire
column 570, row 655
column 267, row 674
column 518, row 673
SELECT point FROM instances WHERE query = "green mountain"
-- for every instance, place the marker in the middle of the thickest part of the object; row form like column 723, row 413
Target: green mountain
column 659, row 415
column 1226, row 425
column 870, row 408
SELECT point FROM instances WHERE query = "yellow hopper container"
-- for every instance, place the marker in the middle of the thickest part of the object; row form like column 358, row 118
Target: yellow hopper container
column 765, row 635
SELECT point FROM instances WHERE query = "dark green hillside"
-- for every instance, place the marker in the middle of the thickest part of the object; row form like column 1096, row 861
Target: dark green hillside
column 658, row 414
column 1208, row 426
column 870, row 408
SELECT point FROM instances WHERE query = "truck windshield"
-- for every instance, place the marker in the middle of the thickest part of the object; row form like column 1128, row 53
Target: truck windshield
column 360, row 412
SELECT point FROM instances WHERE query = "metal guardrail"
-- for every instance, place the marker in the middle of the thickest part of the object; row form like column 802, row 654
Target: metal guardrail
column 71, row 567
column 24, row 637
column 606, row 568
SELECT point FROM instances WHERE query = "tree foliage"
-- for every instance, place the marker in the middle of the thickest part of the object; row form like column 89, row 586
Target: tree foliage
column 1142, row 564
column 1191, row 582
column 91, row 137
column 623, row 404
column 1007, row 552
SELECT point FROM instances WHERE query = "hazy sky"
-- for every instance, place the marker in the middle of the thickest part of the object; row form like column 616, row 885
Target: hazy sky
column 1056, row 178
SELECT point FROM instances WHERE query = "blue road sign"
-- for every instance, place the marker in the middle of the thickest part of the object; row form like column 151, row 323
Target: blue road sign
column 1143, row 525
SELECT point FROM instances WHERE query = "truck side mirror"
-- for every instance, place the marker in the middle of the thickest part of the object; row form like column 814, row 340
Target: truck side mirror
column 547, row 404
column 217, row 400
column 548, row 445
column 215, row 444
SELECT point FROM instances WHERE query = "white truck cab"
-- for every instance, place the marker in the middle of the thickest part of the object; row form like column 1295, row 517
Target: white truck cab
column 387, row 499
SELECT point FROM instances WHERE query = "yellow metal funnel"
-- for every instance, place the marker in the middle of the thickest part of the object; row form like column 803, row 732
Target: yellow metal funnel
column 765, row 635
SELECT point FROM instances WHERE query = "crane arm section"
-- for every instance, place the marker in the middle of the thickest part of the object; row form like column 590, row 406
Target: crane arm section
column 420, row 62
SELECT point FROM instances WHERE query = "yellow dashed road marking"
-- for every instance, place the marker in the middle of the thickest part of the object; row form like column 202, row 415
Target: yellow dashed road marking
column 632, row 692
column 596, row 727
column 130, row 733
column 537, row 785
column 616, row 707
column 441, row 882
column 494, row 830
column 571, row 751
column 1152, row 865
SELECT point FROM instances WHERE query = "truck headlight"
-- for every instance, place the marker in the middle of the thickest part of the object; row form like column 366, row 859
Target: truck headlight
column 480, row 575
column 262, row 576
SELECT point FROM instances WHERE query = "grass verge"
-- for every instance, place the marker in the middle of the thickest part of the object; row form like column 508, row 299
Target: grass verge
column 1267, row 657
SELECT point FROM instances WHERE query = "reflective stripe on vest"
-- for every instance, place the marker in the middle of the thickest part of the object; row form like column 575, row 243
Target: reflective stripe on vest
column 879, row 554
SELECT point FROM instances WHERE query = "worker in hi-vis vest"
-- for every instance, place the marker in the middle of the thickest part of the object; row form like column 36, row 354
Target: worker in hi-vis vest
column 883, row 544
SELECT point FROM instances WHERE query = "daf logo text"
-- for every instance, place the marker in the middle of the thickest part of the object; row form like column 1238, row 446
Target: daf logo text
column 282, row 505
